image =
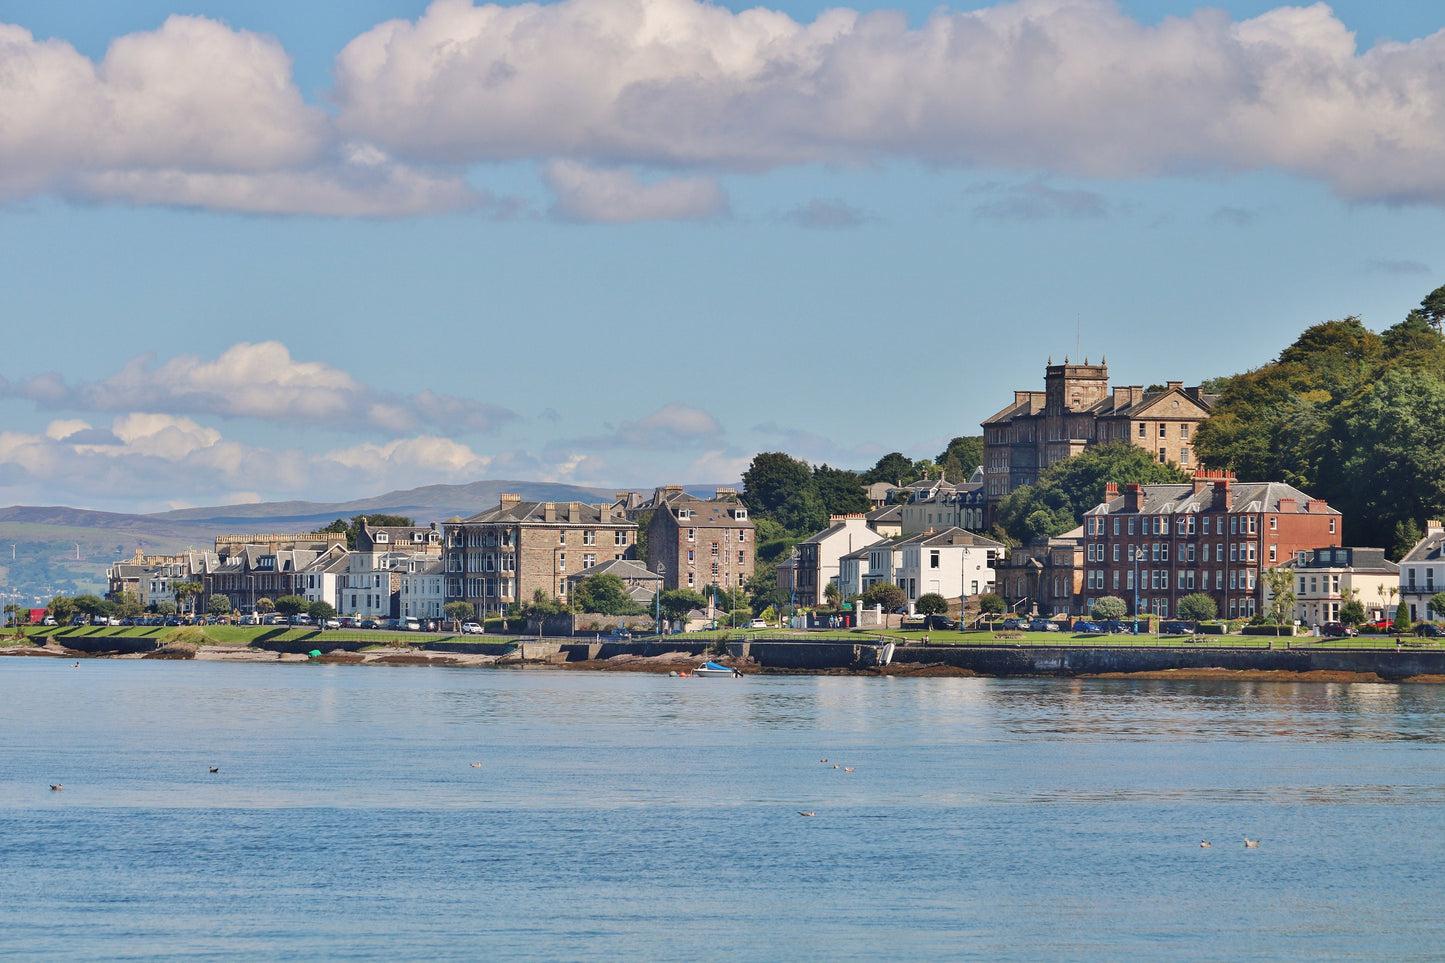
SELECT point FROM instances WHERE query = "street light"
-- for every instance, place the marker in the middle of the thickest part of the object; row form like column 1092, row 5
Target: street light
column 657, row 617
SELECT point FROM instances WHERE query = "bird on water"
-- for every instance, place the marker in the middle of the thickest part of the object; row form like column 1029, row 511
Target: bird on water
column 215, row 768
column 1251, row 843
column 476, row 765
column 810, row 812
column 847, row 768
column 56, row 787
column 1204, row 844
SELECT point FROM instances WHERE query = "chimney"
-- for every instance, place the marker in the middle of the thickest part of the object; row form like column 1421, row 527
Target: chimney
column 1288, row 506
column 574, row 512
column 723, row 493
column 622, row 497
column 549, row 511
column 673, row 488
column 1111, row 491
column 1433, row 526
column 510, row 499
column 1317, row 506
column 1175, row 385
column 1223, row 496
column 1133, row 496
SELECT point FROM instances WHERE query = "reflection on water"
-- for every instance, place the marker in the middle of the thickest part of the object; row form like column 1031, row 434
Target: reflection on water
column 645, row 817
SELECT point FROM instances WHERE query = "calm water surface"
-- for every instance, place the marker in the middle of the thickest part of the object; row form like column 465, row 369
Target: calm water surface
column 634, row 817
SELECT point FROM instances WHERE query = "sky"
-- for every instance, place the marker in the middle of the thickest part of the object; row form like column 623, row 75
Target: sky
column 322, row 250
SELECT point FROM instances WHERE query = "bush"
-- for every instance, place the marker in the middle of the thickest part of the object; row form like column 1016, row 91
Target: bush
column 1109, row 607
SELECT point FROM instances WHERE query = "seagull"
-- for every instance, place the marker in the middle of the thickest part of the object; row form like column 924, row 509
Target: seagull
column 847, row 768
column 1204, row 844
column 55, row 787
column 476, row 765
column 215, row 769
column 1251, row 843
column 822, row 760
column 810, row 812
column 837, row 766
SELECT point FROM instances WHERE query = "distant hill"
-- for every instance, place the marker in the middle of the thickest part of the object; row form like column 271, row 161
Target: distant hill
column 65, row 550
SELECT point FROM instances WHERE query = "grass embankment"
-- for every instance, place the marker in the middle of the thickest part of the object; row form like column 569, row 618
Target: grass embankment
column 243, row 635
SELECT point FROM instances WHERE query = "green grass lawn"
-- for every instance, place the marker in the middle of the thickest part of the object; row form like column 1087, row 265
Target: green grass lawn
column 247, row 634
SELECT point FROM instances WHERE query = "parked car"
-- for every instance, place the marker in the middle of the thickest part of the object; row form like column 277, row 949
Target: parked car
column 369, row 624
column 1116, row 626
column 758, row 624
column 935, row 622
column 1176, row 628
column 174, row 620
column 1014, row 625
column 331, row 624
column 411, row 625
column 619, row 634
column 471, row 628
column 77, row 620
column 1429, row 630
column 1087, row 627
column 1383, row 626
column 1043, row 625
column 300, row 618
column 347, row 622
column 1339, row 630
column 48, row 620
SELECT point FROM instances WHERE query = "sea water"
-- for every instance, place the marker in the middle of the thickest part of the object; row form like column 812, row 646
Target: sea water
column 619, row 816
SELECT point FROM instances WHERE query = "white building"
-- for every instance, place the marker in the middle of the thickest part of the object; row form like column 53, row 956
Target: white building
column 1422, row 573
column 818, row 556
column 321, row 579
column 952, row 563
column 1326, row 578
column 423, row 587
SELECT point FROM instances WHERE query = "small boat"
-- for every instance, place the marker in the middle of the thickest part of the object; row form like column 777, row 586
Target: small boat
column 713, row 669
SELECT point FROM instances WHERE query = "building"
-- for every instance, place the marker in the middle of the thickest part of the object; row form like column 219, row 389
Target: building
column 157, row 584
column 642, row 584
column 372, row 584
column 321, row 579
column 1326, row 578
column 953, row 563
column 1045, row 577
column 886, row 521
column 254, row 572
column 270, row 543
column 697, row 543
column 818, row 556
column 946, row 506
column 1422, row 574
column 504, row 555
column 1075, row 410
column 421, row 587
column 1154, row 544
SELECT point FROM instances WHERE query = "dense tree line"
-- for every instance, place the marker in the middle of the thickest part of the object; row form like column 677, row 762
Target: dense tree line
column 1347, row 415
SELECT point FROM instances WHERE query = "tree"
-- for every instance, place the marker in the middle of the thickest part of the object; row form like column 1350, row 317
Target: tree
column 1197, row 607
column 289, row 605
column 459, row 612
column 833, row 595
column 165, row 607
column 218, row 605
column 895, row 468
column 886, row 594
column 88, row 605
column 1352, row 612
column 1437, row 605
column 128, row 605
column 840, row 491
column 676, row 603
column 185, row 591
column 1280, row 582
column 1108, row 607
column 605, row 594
column 1402, row 616
column 962, row 457
column 991, row 604
column 320, row 611
column 931, row 603
column 263, row 604
column 771, row 479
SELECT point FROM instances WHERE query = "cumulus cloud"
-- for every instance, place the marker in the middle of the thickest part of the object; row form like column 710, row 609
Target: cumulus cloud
column 259, row 381
column 1071, row 86
column 161, row 460
column 617, row 196
column 596, row 91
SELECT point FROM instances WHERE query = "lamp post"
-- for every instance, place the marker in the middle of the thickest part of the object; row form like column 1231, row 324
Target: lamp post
column 657, row 617
column 1136, row 588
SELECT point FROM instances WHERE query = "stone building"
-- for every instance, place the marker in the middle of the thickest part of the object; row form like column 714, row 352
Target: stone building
column 1151, row 545
column 697, row 543
column 1075, row 410
column 1045, row 577
column 505, row 554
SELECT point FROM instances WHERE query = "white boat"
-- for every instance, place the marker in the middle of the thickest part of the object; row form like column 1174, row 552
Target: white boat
column 713, row 669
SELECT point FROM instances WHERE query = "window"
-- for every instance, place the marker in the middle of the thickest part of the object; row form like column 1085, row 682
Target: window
column 1274, row 523
column 1272, row 553
column 1164, row 552
column 619, row 537
column 1184, row 456
column 1184, row 430
column 562, row 561
column 562, row 537
column 714, row 549
column 1143, row 430
column 1163, row 430
column 1332, row 526
column 589, row 538
column 742, row 534
column 933, row 559
column 740, row 557
column 1116, row 526
column 1162, row 457
column 1116, row 552
column 691, row 555
column 589, row 560
column 1181, row 578
column 1131, row 524
column 1116, row 578
column 1204, row 525
column 689, row 579
column 692, row 534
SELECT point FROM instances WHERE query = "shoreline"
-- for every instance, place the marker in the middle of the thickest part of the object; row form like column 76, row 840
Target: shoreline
column 673, row 662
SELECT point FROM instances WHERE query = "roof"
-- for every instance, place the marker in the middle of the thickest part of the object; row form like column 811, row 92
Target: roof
column 1360, row 560
column 626, row 569
column 956, row 537
column 534, row 513
column 838, row 526
column 1428, row 549
column 1248, row 498
column 888, row 513
column 1031, row 404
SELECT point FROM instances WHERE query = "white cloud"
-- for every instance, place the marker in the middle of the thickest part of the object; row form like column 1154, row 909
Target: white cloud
column 1072, row 86
column 607, row 94
column 258, row 381
column 617, row 196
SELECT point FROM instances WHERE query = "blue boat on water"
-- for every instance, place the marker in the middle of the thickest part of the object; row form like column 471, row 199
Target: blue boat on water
column 713, row 669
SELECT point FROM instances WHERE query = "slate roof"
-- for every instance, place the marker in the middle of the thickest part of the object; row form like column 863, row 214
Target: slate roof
column 888, row 513
column 1431, row 548
column 949, row 536
column 1356, row 559
column 534, row 513
column 1248, row 498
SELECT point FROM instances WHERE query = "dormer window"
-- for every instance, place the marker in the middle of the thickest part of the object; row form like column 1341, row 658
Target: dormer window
column 740, row 513
column 381, row 538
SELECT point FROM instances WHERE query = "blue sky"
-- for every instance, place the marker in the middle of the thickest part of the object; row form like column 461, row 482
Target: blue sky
column 255, row 251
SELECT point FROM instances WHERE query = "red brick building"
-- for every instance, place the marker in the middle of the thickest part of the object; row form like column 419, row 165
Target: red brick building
column 1154, row 544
